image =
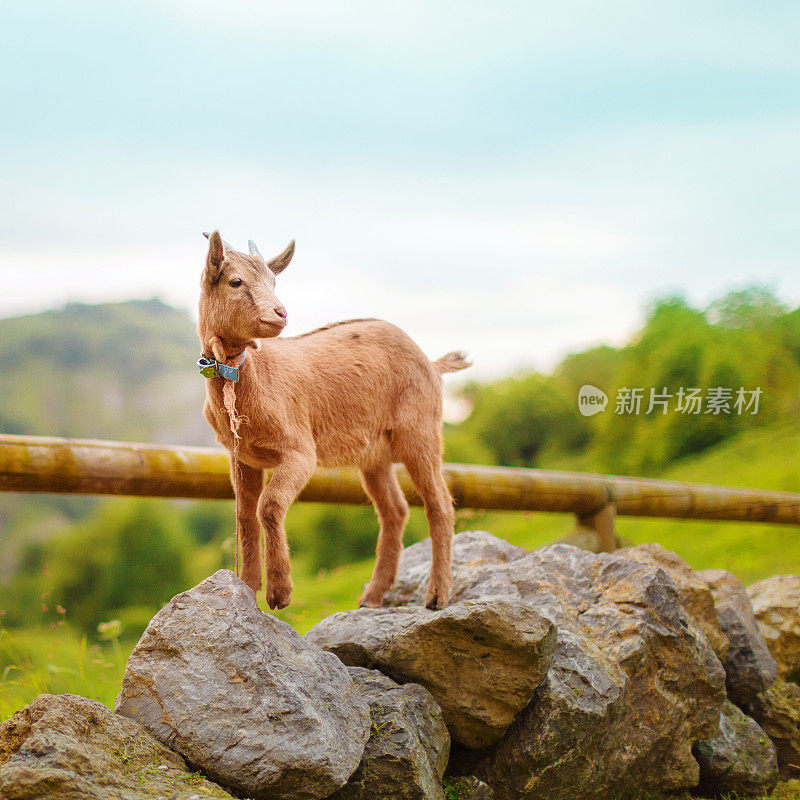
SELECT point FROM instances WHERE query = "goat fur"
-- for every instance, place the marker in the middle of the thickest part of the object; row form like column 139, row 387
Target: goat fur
column 355, row 393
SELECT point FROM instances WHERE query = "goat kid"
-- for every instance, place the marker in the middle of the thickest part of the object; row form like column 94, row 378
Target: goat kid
column 354, row 393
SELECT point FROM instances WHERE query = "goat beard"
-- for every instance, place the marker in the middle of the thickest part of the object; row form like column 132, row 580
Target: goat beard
column 235, row 421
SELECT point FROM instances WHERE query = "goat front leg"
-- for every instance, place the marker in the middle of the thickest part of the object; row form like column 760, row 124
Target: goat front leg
column 247, row 484
column 290, row 476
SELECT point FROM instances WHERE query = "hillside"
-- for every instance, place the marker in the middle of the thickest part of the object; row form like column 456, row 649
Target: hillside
column 110, row 371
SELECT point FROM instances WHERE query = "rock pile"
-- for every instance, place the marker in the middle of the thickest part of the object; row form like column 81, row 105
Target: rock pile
column 632, row 687
column 557, row 673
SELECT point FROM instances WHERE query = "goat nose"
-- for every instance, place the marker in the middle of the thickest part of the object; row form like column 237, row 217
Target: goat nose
column 280, row 311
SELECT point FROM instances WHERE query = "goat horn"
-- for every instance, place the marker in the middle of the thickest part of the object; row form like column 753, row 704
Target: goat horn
column 224, row 243
column 253, row 249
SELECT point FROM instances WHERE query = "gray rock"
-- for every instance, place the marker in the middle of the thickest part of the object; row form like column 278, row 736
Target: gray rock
column 481, row 660
column 749, row 667
column 65, row 747
column 243, row 697
column 777, row 711
column 633, row 684
column 694, row 592
column 776, row 604
column 739, row 760
column 467, row 788
column 408, row 747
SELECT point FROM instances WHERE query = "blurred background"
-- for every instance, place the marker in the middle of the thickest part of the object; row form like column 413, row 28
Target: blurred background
column 593, row 193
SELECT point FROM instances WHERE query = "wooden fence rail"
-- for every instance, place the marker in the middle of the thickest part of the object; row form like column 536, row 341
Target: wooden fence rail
column 80, row 466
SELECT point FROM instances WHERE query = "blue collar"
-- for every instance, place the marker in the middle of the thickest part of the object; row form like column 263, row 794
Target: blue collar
column 211, row 368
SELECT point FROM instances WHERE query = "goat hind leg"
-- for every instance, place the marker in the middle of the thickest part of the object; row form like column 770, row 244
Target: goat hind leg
column 290, row 476
column 383, row 489
column 425, row 469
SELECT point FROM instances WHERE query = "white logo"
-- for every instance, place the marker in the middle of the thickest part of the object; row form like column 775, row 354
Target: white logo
column 591, row 400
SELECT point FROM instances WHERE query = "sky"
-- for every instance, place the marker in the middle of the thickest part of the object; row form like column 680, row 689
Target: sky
column 516, row 179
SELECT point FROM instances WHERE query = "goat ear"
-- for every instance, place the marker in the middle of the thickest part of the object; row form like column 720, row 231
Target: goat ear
column 216, row 255
column 279, row 263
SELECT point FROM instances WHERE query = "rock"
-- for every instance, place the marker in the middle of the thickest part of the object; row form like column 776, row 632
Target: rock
column 633, row 684
column 408, row 747
column 739, row 760
column 65, row 747
column 777, row 711
column 481, row 660
column 467, row 788
column 776, row 603
column 243, row 697
column 693, row 591
column 749, row 667
column 475, row 549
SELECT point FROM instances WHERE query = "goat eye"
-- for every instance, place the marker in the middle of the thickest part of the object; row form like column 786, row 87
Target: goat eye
column 235, row 282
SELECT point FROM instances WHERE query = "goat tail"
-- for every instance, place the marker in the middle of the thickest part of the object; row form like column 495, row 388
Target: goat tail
column 452, row 362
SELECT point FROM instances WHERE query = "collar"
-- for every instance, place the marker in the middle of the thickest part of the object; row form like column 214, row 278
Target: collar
column 211, row 368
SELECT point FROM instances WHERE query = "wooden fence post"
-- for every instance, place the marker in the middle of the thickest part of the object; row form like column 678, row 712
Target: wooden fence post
column 602, row 524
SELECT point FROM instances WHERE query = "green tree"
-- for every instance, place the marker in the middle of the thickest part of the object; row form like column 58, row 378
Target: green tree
column 518, row 420
column 130, row 553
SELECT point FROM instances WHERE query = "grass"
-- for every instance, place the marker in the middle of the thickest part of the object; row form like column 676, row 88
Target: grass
column 57, row 660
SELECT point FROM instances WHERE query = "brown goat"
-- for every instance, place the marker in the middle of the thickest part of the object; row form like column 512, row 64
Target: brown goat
column 355, row 393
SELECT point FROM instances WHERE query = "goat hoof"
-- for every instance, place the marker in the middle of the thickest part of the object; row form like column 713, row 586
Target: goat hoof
column 371, row 599
column 436, row 600
column 277, row 605
column 279, row 596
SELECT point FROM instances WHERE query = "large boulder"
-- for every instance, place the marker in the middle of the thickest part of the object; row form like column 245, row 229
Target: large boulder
column 777, row 711
column 633, row 684
column 739, row 760
column 243, row 697
column 408, row 747
column 65, row 747
column 693, row 591
column 776, row 603
column 749, row 667
column 481, row 660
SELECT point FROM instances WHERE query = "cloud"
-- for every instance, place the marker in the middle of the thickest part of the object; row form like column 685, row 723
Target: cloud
column 517, row 179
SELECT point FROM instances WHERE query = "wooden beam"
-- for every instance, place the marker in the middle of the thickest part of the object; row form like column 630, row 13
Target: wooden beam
column 81, row 466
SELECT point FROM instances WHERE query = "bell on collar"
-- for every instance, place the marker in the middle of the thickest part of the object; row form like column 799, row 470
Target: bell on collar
column 207, row 366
